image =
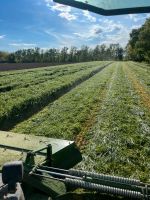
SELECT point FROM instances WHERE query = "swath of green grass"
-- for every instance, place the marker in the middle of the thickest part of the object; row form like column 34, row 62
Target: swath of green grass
column 142, row 72
column 17, row 104
column 119, row 141
column 25, row 78
column 66, row 117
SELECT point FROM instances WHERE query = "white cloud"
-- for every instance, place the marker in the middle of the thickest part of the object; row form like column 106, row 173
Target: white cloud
column 64, row 11
column 89, row 16
column 99, row 31
column 61, row 8
column 133, row 17
column 68, row 16
column 2, row 36
column 63, row 39
column 122, row 37
column 108, row 31
column 110, row 25
column 137, row 17
column 22, row 44
column 93, row 31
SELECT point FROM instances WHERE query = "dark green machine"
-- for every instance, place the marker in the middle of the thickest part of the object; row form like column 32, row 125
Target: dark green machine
column 48, row 171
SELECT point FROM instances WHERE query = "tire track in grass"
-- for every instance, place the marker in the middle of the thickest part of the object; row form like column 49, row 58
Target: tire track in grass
column 143, row 93
column 26, row 111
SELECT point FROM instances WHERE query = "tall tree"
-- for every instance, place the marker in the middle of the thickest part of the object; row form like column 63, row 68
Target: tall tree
column 138, row 48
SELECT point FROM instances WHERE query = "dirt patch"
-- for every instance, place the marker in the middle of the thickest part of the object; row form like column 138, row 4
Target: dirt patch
column 21, row 66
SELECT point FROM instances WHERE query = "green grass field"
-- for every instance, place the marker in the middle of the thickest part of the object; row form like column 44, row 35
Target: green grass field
column 103, row 106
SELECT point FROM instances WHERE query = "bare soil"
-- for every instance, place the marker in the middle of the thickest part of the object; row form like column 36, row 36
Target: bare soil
column 20, row 66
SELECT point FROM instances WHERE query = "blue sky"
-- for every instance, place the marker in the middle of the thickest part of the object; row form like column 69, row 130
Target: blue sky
column 44, row 24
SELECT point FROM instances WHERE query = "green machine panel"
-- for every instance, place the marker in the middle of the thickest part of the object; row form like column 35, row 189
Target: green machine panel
column 15, row 146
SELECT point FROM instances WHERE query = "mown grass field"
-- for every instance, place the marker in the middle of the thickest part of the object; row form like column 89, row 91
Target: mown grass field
column 103, row 106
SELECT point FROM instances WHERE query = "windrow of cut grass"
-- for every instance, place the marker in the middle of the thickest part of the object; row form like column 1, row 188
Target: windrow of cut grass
column 143, row 65
column 19, row 104
column 142, row 73
column 139, row 87
column 67, row 116
column 119, row 142
column 10, row 81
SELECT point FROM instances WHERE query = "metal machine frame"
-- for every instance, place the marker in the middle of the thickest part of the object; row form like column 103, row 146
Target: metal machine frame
column 57, row 183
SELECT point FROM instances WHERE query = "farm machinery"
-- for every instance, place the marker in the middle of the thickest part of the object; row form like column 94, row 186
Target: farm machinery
column 46, row 167
column 35, row 167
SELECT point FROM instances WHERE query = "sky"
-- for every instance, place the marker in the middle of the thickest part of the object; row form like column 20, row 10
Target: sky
column 42, row 23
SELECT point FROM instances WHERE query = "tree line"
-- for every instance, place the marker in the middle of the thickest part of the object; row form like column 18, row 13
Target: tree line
column 64, row 55
column 138, row 48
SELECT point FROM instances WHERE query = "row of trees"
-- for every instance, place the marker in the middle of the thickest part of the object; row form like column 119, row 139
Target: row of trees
column 64, row 55
column 138, row 48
